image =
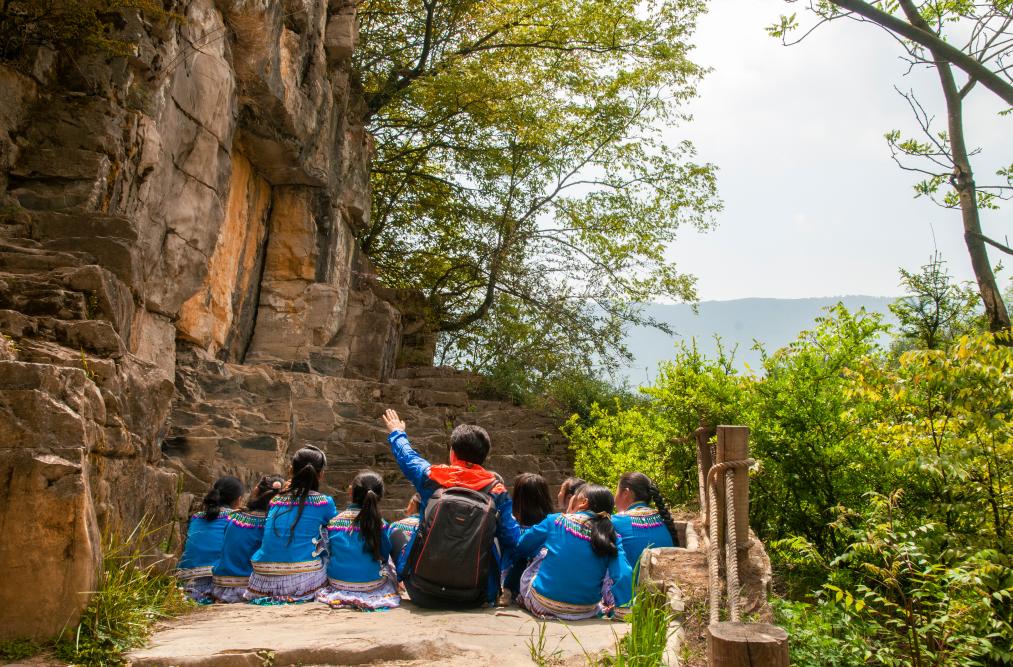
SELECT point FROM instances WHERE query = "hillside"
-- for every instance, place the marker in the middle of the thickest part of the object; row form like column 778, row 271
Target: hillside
column 739, row 323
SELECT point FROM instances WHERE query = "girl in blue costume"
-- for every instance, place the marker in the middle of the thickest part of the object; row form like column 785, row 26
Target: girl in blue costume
column 243, row 535
column 532, row 502
column 403, row 530
column 288, row 567
column 640, row 525
column 359, row 572
column 580, row 569
column 204, row 538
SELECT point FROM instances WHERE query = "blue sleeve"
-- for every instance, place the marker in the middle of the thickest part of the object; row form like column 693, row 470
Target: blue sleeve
column 509, row 532
column 385, row 546
column 414, row 467
column 622, row 576
column 534, row 538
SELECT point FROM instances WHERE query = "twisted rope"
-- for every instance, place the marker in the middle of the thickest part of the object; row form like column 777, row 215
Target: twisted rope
column 731, row 543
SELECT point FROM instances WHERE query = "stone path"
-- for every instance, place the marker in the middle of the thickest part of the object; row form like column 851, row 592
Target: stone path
column 312, row 634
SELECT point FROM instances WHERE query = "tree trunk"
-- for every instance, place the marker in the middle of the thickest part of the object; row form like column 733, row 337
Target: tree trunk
column 963, row 182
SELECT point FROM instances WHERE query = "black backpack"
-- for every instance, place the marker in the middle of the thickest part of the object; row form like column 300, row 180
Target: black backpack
column 450, row 557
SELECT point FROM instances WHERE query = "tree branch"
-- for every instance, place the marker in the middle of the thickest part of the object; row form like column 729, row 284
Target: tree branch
column 968, row 64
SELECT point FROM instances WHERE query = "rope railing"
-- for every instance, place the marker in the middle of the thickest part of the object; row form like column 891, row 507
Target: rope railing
column 731, row 542
column 723, row 468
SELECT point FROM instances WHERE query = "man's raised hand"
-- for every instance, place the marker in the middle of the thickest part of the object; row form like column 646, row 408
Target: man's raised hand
column 392, row 421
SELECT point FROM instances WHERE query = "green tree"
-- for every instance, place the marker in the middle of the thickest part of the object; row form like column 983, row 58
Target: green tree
column 926, row 30
column 519, row 164
column 936, row 311
column 805, row 430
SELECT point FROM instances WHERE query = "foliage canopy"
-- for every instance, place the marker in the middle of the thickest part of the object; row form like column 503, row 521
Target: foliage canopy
column 520, row 170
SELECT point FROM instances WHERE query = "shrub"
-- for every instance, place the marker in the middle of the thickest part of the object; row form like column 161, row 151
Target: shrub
column 131, row 597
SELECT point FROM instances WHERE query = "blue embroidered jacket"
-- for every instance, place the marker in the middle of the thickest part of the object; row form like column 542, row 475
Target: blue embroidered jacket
column 423, row 475
column 641, row 528
column 204, row 540
column 349, row 561
column 571, row 574
column 279, row 556
column 406, row 528
column 243, row 535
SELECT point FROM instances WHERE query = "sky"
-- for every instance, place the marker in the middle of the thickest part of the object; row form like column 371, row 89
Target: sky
column 814, row 204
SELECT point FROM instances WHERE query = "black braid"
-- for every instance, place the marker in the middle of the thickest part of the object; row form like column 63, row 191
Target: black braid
column 666, row 516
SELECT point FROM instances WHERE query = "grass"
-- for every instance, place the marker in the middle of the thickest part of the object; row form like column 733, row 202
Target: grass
column 537, row 648
column 18, row 649
column 650, row 620
column 131, row 597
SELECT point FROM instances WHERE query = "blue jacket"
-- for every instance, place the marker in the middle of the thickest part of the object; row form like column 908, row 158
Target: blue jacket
column 204, row 539
column 406, row 527
column 349, row 561
column 641, row 528
column 426, row 478
column 571, row 574
column 279, row 556
column 243, row 535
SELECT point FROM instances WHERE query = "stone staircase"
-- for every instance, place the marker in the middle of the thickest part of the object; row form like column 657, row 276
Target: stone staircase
column 247, row 420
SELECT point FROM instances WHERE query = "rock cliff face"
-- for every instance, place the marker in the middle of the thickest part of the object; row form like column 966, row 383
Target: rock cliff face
column 181, row 293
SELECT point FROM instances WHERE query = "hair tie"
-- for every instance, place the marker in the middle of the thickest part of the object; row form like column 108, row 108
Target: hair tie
column 603, row 515
column 276, row 485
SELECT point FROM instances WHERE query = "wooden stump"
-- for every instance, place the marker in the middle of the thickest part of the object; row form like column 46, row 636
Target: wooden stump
column 746, row 645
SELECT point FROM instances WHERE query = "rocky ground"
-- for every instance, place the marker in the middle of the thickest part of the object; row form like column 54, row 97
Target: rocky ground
column 312, row 634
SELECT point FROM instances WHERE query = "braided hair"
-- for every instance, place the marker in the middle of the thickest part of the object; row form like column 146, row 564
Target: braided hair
column 603, row 534
column 223, row 493
column 646, row 491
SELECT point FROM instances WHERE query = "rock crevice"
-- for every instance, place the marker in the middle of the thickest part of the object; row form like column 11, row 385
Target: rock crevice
column 182, row 294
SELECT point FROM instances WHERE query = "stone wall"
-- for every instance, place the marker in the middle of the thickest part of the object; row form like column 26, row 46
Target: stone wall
column 181, row 293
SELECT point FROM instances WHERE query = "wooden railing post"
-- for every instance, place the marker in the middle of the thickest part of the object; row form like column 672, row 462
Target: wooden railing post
column 733, row 445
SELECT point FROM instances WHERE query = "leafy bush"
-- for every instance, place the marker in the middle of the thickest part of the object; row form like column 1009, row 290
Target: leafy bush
column 822, row 635
column 18, row 649
column 131, row 597
column 654, row 436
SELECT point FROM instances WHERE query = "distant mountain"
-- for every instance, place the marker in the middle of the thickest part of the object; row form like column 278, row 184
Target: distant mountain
column 772, row 322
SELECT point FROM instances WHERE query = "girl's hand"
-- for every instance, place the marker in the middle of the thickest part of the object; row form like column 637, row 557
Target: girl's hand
column 392, row 421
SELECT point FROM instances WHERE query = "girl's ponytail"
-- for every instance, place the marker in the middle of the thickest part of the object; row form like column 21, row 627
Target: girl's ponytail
column 307, row 464
column 603, row 534
column 223, row 493
column 367, row 490
column 666, row 516
column 646, row 491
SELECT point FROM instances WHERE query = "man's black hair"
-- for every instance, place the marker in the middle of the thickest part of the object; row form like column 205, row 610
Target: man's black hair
column 470, row 443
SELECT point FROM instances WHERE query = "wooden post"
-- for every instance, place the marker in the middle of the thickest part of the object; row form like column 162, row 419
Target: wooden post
column 746, row 645
column 703, row 466
column 733, row 445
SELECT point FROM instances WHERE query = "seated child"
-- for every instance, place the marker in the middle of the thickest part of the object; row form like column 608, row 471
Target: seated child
column 640, row 525
column 462, row 482
column 566, row 491
column 359, row 573
column 532, row 503
column 287, row 567
column 403, row 530
column 579, row 568
column 204, row 538
column 243, row 535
